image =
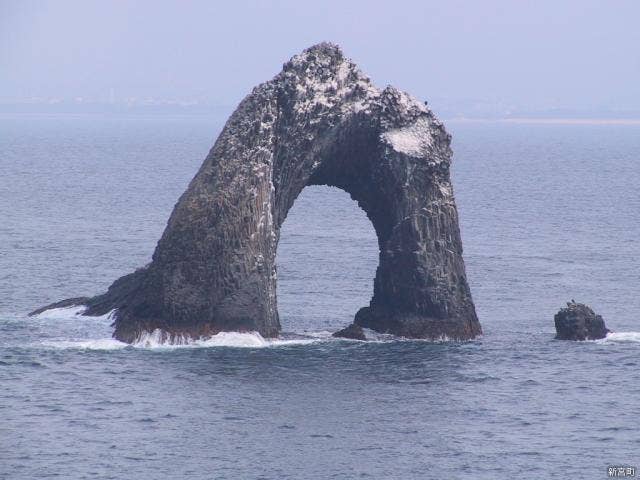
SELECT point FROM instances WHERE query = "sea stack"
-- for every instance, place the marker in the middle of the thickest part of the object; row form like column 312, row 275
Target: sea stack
column 579, row 322
column 320, row 121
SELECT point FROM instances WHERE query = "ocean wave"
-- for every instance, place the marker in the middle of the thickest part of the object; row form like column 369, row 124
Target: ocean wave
column 68, row 321
column 620, row 337
column 71, row 330
column 158, row 340
column 63, row 313
column 71, row 313
column 94, row 344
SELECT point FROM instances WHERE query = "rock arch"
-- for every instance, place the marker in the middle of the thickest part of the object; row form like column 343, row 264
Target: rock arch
column 318, row 122
column 326, row 261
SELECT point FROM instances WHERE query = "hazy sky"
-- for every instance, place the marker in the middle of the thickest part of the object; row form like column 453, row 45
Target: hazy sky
column 577, row 54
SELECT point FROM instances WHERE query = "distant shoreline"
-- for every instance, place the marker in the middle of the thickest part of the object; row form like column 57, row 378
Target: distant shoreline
column 550, row 121
column 225, row 111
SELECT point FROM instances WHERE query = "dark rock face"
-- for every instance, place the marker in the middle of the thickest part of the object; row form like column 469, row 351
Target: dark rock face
column 318, row 122
column 353, row 332
column 578, row 322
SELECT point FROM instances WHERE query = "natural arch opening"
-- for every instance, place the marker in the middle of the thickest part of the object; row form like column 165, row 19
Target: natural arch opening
column 326, row 259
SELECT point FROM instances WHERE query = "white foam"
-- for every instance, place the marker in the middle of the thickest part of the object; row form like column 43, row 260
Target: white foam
column 158, row 340
column 70, row 331
column 64, row 313
column 96, row 344
column 69, row 313
column 67, row 328
column 162, row 340
column 322, row 334
column 620, row 337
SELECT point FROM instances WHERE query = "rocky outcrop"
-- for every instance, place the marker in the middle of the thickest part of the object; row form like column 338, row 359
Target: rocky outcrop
column 318, row 122
column 353, row 332
column 578, row 322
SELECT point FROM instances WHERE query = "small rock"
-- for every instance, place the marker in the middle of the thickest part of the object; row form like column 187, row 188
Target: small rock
column 353, row 331
column 578, row 322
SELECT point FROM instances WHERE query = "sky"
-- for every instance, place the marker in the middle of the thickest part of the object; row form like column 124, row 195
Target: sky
column 581, row 54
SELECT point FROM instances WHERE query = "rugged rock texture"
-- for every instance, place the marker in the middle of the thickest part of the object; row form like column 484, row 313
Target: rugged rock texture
column 578, row 322
column 353, row 331
column 318, row 122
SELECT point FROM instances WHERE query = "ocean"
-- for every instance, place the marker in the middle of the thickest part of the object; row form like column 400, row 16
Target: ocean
column 549, row 213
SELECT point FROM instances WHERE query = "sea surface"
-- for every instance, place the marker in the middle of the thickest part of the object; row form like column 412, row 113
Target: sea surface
column 548, row 213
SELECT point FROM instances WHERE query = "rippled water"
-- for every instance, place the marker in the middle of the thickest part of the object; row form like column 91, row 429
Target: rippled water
column 548, row 213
